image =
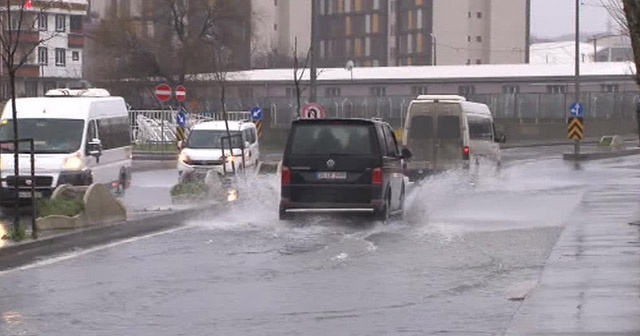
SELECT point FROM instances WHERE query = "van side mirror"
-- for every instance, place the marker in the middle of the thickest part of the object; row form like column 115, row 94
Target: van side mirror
column 501, row 138
column 406, row 153
column 94, row 148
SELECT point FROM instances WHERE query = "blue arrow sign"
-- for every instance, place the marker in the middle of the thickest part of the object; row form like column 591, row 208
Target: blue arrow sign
column 256, row 113
column 181, row 118
column 577, row 110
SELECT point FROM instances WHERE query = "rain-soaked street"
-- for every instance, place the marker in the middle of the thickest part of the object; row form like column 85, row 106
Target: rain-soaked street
column 459, row 263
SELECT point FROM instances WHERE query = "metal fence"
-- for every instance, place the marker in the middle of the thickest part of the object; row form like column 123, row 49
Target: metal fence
column 155, row 130
column 525, row 108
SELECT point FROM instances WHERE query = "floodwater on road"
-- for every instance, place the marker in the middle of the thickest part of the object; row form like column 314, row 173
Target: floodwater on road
column 466, row 253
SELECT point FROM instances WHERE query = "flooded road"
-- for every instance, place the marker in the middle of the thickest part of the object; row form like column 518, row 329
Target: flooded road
column 459, row 263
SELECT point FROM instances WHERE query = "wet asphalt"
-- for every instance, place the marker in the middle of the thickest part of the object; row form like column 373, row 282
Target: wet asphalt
column 459, row 263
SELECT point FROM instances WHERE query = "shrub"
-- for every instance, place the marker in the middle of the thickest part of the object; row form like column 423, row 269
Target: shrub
column 60, row 207
column 189, row 188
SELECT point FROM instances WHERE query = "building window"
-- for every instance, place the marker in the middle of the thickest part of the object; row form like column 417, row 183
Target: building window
column 75, row 23
column 61, row 23
column 478, row 38
column 510, row 89
column 75, row 56
column 466, row 90
column 555, row 89
column 418, row 90
column 468, row 38
column 42, row 22
column 609, row 88
column 468, row 61
column 469, row 14
column 378, row 91
column 61, row 57
column 479, row 15
column 275, row 3
column 43, row 56
column 332, row 92
column 275, row 26
column 478, row 61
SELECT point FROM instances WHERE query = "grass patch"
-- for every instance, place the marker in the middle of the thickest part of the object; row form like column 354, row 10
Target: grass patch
column 60, row 207
column 15, row 234
column 189, row 188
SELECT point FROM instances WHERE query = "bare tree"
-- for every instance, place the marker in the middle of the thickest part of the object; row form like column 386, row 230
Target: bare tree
column 298, row 74
column 18, row 40
column 616, row 12
column 173, row 43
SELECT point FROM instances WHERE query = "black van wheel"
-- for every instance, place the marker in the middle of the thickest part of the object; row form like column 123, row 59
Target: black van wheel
column 400, row 213
column 382, row 214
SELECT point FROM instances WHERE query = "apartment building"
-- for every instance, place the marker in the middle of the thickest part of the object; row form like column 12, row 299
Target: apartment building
column 422, row 32
column 52, row 36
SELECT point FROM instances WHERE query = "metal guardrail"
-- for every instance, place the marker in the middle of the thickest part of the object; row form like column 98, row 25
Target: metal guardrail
column 155, row 130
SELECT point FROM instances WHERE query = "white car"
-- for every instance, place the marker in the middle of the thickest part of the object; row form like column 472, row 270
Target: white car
column 203, row 149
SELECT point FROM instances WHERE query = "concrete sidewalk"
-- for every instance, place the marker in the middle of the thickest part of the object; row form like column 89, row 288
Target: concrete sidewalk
column 591, row 284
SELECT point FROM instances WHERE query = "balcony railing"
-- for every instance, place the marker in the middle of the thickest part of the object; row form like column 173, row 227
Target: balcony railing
column 25, row 36
column 76, row 40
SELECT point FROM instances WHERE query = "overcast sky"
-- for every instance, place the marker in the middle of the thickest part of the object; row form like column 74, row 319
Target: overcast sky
column 556, row 17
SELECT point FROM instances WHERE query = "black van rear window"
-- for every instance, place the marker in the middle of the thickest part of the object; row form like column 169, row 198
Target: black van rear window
column 448, row 127
column 332, row 139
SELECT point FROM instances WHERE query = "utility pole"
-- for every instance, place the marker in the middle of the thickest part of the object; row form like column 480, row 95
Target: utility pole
column 312, row 52
column 576, row 144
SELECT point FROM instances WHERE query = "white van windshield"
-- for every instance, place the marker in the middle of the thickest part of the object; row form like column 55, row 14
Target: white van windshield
column 212, row 139
column 53, row 136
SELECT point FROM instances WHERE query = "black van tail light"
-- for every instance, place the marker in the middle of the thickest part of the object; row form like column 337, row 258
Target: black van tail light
column 285, row 176
column 376, row 177
column 465, row 153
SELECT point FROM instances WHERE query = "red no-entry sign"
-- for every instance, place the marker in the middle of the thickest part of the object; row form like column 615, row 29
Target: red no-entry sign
column 181, row 93
column 163, row 92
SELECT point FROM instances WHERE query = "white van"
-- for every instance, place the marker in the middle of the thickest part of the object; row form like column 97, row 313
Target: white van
column 447, row 131
column 202, row 150
column 80, row 137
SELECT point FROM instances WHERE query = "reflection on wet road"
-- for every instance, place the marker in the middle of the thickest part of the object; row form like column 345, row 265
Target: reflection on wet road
column 467, row 251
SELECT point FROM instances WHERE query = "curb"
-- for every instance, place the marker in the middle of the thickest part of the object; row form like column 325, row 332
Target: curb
column 21, row 254
column 600, row 155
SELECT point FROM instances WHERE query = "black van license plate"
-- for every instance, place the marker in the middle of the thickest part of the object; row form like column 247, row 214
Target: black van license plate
column 332, row 175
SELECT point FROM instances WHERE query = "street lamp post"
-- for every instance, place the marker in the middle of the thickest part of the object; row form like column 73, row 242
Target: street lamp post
column 434, row 50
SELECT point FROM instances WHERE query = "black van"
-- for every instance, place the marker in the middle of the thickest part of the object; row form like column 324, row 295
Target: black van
column 342, row 166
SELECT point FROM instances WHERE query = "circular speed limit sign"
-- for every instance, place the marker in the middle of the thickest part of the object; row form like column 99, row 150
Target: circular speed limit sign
column 313, row 111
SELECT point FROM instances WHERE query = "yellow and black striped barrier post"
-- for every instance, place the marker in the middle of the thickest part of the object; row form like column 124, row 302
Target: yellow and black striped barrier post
column 259, row 127
column 575, row 130
column 180, row 133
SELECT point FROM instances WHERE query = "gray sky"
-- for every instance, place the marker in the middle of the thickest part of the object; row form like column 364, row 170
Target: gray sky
column 556, row 17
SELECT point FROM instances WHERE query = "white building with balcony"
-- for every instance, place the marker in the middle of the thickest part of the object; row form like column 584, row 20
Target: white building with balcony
column 52, row 34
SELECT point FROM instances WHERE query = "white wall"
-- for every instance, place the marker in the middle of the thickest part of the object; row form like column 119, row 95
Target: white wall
column 264, row 17
column 451, row 28
column 508, row 31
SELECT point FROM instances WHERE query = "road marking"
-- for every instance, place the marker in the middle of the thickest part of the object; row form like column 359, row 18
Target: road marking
column 75, row 254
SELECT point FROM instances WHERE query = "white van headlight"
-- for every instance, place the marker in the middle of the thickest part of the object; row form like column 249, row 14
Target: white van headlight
column 73, row 163
column 184, row 158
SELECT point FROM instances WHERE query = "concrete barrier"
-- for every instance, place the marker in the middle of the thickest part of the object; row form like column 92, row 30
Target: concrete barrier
column 600, row 155
column 27, row 252
column 100, row 208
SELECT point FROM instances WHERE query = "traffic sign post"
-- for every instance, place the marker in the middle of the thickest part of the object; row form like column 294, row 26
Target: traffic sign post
column 575, row 129
column 256, row 115
column 313, row 111
column 163, row 93
column 181, row 93
column 181, row 120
